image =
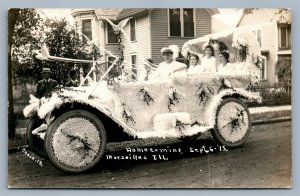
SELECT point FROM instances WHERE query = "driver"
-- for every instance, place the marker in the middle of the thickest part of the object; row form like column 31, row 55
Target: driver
column 169, row 66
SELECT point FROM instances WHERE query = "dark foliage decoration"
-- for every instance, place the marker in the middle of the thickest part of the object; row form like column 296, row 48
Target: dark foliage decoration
column 204, row 92
column 146, row 96
column 180, row 125
column 236, row 121
column 173, row 98
column 126, row 115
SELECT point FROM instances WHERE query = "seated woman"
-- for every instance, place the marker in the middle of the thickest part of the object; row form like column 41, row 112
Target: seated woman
column 223, row 59
column 194, row 64
column 209, row 62
column 169, row 66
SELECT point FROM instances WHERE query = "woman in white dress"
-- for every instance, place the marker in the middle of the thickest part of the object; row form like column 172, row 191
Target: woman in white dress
column 209, row 62
column 223, row 59
column 169, row 66
column 194, row 64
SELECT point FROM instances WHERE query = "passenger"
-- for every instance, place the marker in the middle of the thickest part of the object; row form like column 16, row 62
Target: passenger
column 194, row 64
column 73, row 82
column 169, row 66
column 209, row 62
column 223, row 59
column 144, row 76
column 45, row 86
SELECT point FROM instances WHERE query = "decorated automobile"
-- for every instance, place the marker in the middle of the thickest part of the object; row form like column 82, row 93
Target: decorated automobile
column 71, row 126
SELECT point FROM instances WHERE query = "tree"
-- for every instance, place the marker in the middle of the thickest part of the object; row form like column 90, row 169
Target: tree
column 284, row 72
column 62, row 41
column 12, row 18
column 21, row 23
column 27, row 37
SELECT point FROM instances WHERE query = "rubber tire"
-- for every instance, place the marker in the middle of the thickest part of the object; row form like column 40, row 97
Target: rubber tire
column 34, row 142
column 215, row 132
column 54, row 125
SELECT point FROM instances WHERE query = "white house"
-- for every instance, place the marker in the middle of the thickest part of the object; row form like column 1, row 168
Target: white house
column 273, row 31
column 149, row 30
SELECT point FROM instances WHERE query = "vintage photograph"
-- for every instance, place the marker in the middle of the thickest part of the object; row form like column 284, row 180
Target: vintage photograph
column 149, row 98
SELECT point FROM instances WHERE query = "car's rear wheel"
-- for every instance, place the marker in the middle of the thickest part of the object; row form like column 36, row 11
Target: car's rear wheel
column 75, row 141
column 35, row 143
column 233, row 123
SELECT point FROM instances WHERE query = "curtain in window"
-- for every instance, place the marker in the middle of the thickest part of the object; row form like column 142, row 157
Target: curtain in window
column 175, row 25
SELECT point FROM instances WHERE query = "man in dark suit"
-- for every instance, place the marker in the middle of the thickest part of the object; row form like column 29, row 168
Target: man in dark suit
column 72, row 81
column 45, row 86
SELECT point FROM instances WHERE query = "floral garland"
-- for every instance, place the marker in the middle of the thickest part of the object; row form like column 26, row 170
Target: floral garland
column 127, row 115
column 173, row 98
column 121, row 49
column 204, row 92
column 145, row 96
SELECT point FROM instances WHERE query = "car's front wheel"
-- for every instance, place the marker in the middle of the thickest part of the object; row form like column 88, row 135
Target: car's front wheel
column 75, row 141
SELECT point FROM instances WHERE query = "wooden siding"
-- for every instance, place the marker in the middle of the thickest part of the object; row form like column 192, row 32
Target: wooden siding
column 269, row 43
column 142, row 43
column 159, row 30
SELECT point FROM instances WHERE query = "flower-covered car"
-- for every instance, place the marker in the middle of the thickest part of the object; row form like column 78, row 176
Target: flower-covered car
column 74, row 123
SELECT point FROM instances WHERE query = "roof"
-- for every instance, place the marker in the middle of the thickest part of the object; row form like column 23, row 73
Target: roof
column 274, row 14
column 111, row 13
column 119, row 13
column 131, row 12
column 212, row 11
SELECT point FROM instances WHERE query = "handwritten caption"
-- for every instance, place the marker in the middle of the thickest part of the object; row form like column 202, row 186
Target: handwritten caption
column 33, row 158
column 163, row 154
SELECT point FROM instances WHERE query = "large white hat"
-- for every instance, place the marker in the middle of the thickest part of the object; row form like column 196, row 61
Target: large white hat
column 174, row 49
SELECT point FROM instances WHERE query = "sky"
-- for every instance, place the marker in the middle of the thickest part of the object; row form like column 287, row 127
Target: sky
column 229, row 16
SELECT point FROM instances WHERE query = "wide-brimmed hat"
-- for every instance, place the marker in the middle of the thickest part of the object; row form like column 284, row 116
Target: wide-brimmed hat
column 172, row 49
column 166, row 50
column 46, row 70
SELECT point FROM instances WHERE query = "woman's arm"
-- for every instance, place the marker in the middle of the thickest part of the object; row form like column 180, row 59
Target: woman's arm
column 180, row 67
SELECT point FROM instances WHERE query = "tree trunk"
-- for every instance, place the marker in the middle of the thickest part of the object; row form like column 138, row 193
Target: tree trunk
column 12, row 18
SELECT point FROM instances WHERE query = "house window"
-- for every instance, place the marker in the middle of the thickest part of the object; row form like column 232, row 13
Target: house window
column 257, row 34
column 188, row 20
column 133, row 65
column 112, row 37
column 87, row 29
column 132, row 30
column 181, row 22
column 284, row 36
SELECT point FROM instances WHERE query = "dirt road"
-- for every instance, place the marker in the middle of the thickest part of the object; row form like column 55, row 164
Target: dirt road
column 263, row 161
